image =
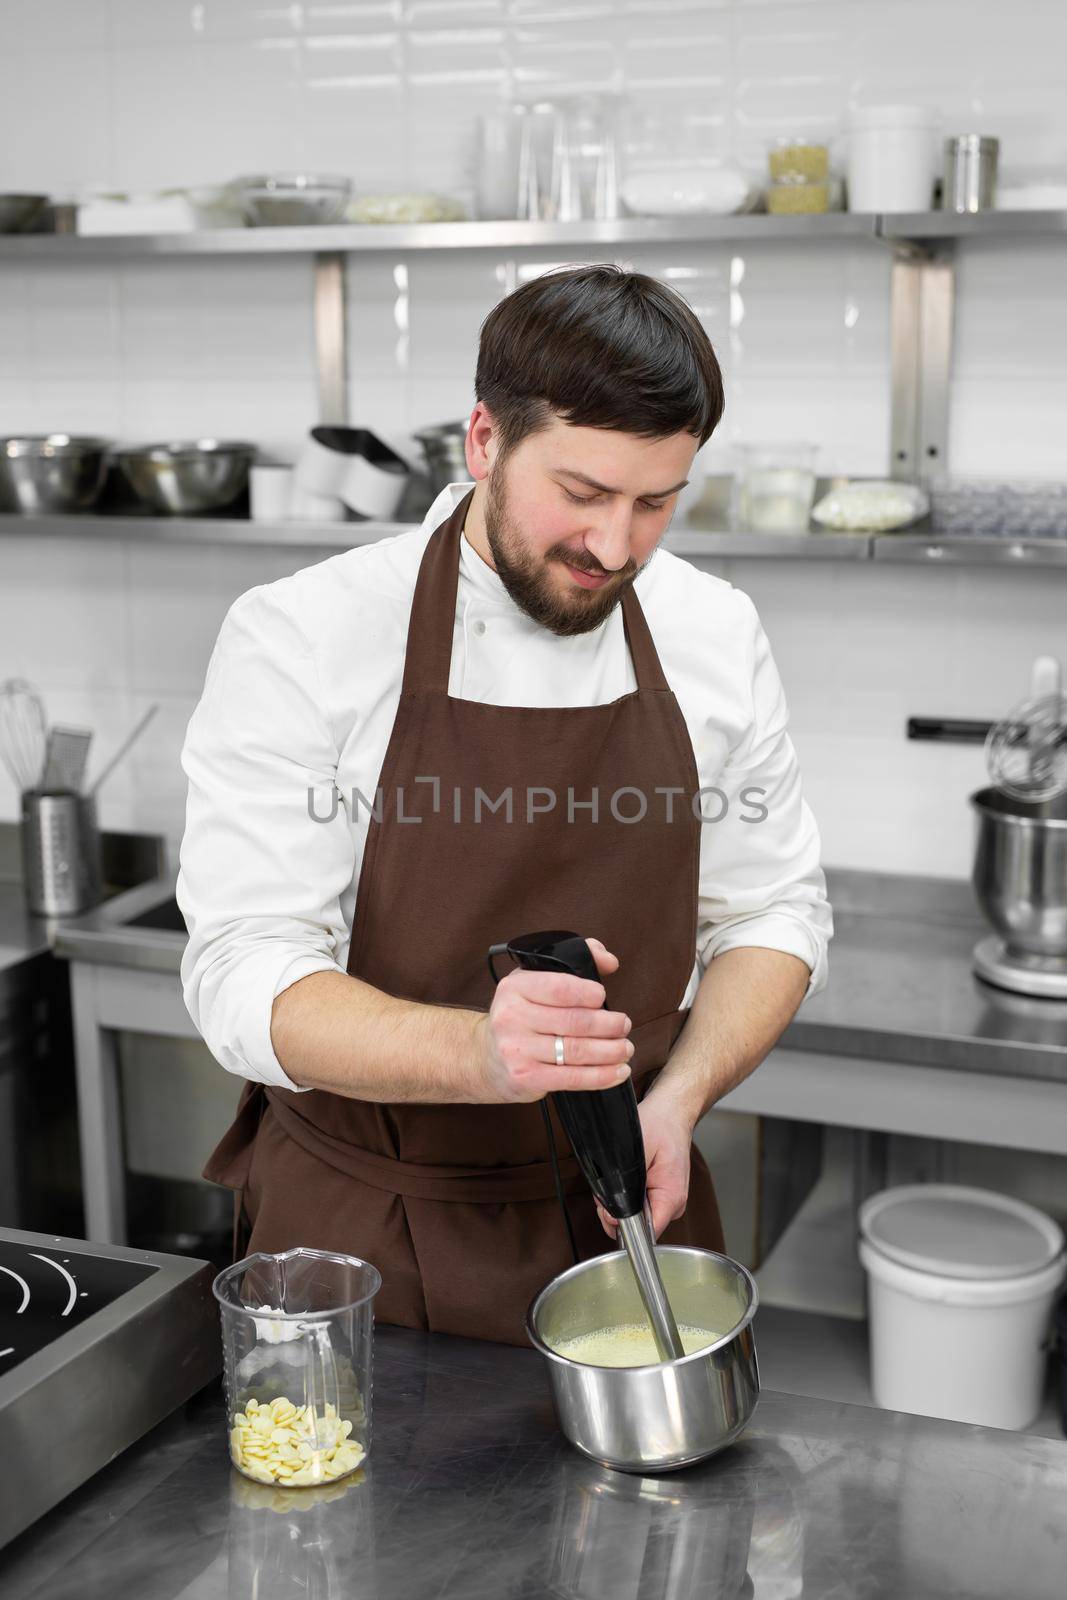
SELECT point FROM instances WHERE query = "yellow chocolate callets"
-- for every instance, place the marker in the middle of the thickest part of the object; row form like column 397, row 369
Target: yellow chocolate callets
column 291, row 1445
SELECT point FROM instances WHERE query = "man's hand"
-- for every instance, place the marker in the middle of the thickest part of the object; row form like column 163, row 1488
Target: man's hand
column 668, row 1135
column 529, row 1011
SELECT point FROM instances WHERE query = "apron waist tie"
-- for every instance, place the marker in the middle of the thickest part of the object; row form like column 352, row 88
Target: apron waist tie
column 230, row 1161
column 418, row 1181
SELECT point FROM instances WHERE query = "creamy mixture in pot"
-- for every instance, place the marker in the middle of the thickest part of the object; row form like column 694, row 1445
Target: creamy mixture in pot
column 629, row 1345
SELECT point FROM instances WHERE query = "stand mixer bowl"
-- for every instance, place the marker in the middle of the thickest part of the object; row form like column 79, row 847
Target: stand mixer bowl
column 1020, row 870
column 660, row 1417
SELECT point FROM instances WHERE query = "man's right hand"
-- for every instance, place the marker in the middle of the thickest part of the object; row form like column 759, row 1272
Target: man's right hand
column 530, row 1010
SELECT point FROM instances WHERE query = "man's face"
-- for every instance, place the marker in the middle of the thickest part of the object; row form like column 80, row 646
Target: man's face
column 573, row 514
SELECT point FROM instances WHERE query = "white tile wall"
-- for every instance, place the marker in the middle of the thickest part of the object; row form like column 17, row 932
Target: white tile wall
column 860, row 649
column 127, row 93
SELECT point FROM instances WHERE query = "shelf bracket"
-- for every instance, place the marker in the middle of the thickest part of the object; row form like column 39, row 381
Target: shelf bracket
column 922, row 301
column 331, row 344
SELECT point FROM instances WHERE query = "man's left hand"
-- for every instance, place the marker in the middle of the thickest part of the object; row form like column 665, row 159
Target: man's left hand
column 668, row 1136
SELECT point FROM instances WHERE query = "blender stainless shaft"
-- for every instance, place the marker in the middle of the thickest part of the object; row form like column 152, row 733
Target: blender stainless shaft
column 641, row 1249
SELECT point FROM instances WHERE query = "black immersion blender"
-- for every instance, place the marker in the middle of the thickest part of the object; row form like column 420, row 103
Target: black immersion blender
column 605, row 1134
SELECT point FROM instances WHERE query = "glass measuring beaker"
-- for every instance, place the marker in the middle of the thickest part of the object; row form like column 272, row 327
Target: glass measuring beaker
column 297, row 1334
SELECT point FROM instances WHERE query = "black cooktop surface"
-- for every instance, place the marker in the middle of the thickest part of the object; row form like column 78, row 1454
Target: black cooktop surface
column 44, row 1293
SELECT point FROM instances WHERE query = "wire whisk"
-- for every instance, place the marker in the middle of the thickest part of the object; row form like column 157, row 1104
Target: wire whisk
column 22, row 732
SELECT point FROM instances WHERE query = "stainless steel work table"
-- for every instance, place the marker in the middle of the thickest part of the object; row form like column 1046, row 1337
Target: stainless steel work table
column 22, row 936
column 470, row 1492
column 904, row 1039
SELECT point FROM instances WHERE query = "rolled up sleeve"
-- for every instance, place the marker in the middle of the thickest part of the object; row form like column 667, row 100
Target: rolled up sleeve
column 260, row 878
column 761, row 882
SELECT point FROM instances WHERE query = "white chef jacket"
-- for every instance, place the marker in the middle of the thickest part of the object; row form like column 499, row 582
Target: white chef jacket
column 300, row 696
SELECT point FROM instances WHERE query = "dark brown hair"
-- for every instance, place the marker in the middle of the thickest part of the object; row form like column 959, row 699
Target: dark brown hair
column 601, row 348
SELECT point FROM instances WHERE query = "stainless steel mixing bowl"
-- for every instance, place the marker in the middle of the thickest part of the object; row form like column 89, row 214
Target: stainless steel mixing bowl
column 188, row 476
column 1020, row 870
column 655, row 1418
column 445, row 450
column 53, row 472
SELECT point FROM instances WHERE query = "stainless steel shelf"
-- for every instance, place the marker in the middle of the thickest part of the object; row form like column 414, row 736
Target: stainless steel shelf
column 740, row 546
column 922, row 549
column 978, row 550
column 976, row 225
column 684, row 541
column 514, row 235
column 202, row 530
column 401, row 237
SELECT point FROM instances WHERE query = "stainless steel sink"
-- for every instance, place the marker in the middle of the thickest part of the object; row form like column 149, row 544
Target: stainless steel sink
column 141, row 927
column 165, row 916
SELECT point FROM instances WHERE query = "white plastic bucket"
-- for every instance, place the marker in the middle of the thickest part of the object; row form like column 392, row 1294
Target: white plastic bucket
column 961, row 1285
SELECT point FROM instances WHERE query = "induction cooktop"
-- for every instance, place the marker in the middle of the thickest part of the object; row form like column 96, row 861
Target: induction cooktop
column 44, row 1293
column 110, row 1339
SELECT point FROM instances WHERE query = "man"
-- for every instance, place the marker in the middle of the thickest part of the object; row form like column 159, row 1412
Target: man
column 521, row 717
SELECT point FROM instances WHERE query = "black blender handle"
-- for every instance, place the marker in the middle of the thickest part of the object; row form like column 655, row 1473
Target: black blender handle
column 602, row 1124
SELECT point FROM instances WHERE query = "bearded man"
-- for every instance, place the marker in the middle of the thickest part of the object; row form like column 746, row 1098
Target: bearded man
column 510, row 719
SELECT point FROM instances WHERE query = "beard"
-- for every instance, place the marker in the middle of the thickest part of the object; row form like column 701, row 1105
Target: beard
column 528, row 581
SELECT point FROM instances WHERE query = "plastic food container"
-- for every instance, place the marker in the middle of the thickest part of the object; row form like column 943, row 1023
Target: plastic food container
column 961, row 1286
column 297, row 1332
column 775, row 486
column 892, row 154
column 870, row 506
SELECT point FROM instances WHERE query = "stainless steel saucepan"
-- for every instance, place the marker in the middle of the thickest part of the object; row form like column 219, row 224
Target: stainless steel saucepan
column 671, row 1414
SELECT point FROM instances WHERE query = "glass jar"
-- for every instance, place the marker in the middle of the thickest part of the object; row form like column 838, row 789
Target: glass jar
column 297, row 1332
column 798, row 161
column 775, row 487
column 793, row 197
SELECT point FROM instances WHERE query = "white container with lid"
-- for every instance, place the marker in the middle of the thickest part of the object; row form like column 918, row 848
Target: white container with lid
column 961, row 1283
column 892, row 158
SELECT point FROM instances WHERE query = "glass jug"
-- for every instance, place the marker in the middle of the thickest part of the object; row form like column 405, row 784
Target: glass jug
column 297, row 1333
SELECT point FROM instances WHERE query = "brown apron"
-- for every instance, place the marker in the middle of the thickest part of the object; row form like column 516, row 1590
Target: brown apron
column 455, row 1204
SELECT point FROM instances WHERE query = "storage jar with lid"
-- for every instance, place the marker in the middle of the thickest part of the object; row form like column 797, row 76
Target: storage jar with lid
column 892, row 158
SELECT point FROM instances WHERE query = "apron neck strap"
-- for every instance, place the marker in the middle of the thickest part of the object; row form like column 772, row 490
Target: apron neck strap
column 428, row 661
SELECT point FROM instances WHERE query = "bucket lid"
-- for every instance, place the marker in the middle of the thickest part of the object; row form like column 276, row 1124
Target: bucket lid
column 892, row 116
column 960, row 1232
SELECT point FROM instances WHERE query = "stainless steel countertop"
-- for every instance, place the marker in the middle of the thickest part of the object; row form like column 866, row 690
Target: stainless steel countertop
column 21, row 936
column 102, row 935
column 901, row 986
column 470, row 1492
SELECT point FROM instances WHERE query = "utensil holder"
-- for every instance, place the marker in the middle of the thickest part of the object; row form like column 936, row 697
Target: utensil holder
column 60, row 852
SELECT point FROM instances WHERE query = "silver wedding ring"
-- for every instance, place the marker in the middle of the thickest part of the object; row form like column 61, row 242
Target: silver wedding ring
column 560, row 1059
